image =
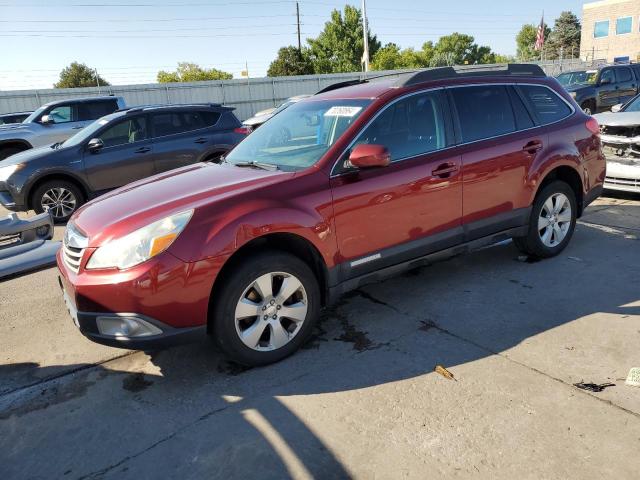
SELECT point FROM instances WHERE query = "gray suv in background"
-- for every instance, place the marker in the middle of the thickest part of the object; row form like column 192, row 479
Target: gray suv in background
column 55, row 122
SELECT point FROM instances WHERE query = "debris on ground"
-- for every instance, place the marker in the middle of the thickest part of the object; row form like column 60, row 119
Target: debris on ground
column 444, row 372
column 593, row 387
column 633, row 379
column 575, row 259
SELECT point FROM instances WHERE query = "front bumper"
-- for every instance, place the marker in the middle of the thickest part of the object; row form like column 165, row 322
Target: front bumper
column 623, row 175
column 92, row 326
column 7, row 201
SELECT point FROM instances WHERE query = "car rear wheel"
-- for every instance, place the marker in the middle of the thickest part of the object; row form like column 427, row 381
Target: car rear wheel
column 59, row 197
column 266, row 308
column 553, row 220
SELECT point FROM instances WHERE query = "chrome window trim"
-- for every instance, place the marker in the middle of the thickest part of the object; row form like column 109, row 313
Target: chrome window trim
column 333, row 173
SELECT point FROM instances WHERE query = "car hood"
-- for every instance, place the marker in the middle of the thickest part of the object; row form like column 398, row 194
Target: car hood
column 31, row 155
column 15, row 127
column 140, row 203
column 578, row 86
column 618, row 119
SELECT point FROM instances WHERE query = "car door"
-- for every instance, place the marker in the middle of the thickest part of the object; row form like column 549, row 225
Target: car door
column 410, row 208
column 497, row 145
column 126, row 154
column 179, row 138
column 625, row 85
column 607, row 89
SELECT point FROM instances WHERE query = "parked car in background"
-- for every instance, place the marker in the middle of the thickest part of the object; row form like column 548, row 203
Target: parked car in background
column 599, row 89
column 55, row 122
column 621, row 144
column 381, row 176
column 264, row 115
column 17, row 117
column 117, row 149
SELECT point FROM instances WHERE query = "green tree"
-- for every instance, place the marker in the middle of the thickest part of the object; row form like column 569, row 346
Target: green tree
column 79, row 75
column 291, row 61
column 460, row 49
column 391, row 57
column 340, row 45
column 191, row 72
column 564, row 36
column 526, row 41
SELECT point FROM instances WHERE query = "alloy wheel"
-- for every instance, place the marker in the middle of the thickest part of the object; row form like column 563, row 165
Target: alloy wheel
column 271, row 311
column 59, row 201
column 555, row 219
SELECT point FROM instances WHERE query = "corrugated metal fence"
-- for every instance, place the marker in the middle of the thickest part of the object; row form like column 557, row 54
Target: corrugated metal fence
column 248, row 96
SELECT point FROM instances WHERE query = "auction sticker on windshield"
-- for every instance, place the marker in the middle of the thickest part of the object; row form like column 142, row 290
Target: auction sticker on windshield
column 342, row 111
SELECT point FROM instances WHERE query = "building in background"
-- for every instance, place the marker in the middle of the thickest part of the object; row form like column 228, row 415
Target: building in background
column 611, row 30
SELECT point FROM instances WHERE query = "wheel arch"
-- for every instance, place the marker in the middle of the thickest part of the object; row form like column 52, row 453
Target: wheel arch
column 33, row 186
column 569, row 175
column 15, row 142
column 287, row 242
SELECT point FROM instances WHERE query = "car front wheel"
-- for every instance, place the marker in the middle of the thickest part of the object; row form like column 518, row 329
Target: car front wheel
column 59, row 197
column 553, row 220
column 266, row 308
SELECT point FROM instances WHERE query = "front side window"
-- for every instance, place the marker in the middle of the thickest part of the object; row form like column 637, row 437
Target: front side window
column 484, row 112
column 601, row 29
column 546, row 105
column 300, row 135
column 62, row 114
column 412, row 126
column 129, row 131
column 607, row 76
column 623, row 25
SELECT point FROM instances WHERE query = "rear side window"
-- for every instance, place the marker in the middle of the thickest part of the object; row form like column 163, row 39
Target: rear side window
column 193, row 121
column 483, row 111
column 412, row 126
column 547, row 106
column 523, row 119
column 166, row 124
column 623, row 74
column 95, row 110
column 210, row 118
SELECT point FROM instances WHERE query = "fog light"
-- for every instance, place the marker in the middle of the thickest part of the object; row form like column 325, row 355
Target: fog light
column 126, row 327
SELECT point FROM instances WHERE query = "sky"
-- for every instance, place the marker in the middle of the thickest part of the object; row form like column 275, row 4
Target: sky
column 128, row 41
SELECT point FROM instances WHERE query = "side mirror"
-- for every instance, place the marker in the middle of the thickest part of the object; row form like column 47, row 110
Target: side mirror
column 616, row 108
column 95, row 144
column 605, row 81
column 46, row 120
column 369, row 156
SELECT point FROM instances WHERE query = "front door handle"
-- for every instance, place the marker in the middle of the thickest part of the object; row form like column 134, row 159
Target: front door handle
column 533, row 146
column 444, row 170
column 201, row 140
column 142, row 150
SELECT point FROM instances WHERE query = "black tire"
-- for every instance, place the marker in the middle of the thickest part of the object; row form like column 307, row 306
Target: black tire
column 59, row 216
column 532, row 243
column 244, row 273
column 588, row 107
column 7, row 152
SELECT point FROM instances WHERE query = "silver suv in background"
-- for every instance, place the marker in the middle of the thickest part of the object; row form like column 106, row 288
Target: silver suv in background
column 55, row 122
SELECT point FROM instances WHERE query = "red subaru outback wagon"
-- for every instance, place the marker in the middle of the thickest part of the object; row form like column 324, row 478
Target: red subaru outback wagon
column 362, row 180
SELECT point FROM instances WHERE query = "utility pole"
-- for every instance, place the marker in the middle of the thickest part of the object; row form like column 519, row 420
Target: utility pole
column 298, row 22
column 95, row 70
column 365, row 56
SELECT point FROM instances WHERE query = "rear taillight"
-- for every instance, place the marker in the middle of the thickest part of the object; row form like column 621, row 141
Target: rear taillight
column 243, row 130
column 593, row 126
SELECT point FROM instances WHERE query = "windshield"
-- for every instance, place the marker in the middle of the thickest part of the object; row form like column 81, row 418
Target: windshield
column 35, row 114
column 299, row 136
column 632, row 106
column 86, row 133
column 582, row 77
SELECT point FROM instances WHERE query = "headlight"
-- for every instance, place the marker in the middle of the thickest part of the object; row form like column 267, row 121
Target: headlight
column 141, row 245
column 6, row 172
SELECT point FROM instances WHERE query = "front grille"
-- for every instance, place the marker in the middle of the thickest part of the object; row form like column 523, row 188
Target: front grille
column 623, row 182
column 72, row 257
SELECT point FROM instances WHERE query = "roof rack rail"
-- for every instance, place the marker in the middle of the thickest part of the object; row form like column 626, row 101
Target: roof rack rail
column 440, row 73
column 335, row 86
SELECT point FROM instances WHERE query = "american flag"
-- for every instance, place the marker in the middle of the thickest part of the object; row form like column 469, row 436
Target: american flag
column 540, row 36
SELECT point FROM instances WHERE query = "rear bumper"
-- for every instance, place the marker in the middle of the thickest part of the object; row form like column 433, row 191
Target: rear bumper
column 623, row 175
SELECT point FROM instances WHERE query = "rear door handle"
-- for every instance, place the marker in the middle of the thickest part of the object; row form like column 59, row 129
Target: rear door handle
column 201, row 140
column 444, row 170
column 142, row 150
column 533, row 146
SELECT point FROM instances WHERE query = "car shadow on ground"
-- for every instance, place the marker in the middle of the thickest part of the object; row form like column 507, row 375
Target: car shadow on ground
column 189, row 398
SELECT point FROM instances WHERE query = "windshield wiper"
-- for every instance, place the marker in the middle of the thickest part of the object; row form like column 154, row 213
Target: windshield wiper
column 253, row 163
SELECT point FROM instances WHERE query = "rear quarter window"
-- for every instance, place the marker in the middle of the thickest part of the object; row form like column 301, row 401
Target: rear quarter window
column 483, row 111
column 546, row 105
column 210, row 118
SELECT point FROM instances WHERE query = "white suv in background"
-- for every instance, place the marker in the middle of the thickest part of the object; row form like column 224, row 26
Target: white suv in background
column 55, row 122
